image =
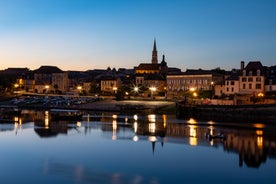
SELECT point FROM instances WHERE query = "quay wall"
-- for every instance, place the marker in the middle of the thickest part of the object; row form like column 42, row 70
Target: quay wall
column 261, row 113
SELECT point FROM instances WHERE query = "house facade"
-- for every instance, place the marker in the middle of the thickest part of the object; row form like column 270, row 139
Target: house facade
column 200, row 80
column 252, row 78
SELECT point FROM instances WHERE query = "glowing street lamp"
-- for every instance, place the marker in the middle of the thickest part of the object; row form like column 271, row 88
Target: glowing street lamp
column 79, row 88
column 115, row 89
column 260, row 95
column 152, row 89
column 136, row 89
column 192, row 89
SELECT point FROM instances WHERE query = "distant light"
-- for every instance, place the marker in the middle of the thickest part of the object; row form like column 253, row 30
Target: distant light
column 135, row 138
column 152, row 138
column 152, row 127
column 259, row 125
column 192, row 89
column 153, row 89
column 135, row 126
column 152, row 118
column 136, row 89
column 135, row 117
column 114, row 116
column 79, row 87
column 192, row 121
column 260, row 95
column 78, row 124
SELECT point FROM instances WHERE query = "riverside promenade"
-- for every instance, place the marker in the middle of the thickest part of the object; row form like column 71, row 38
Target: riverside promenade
column 88, row 104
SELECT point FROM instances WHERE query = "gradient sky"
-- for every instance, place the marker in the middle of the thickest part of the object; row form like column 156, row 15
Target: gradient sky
column 96, row 34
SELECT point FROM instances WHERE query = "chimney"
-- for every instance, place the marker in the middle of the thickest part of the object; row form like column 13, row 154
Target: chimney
column 242, row 65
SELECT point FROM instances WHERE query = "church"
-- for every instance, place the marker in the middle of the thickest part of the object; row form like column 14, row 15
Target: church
column 152, row 75
column 154, row 67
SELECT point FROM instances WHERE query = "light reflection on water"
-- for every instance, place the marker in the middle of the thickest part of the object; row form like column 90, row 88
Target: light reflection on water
column 109, row 148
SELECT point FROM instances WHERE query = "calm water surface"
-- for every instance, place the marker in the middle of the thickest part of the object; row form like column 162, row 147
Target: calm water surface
column 103, row 148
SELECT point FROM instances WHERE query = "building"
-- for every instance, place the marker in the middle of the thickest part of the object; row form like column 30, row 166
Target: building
column 252, row 78
column 270, row 81
column 178, row 85
column 231, row 84
column 154, row 67
column 43, row 78
column 60, row 82
column 110, row 84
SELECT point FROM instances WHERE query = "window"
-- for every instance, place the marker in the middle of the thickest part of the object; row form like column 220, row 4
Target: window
column 227, row 83
column 244, row 79
column 244, row 72
column 258, row 79
column 258, row 86
column 250, row 86
column 250, row 73
column 227, row 89
column 232, row 83
column 232, row 89
column 243, row 86
column 250, row 79
column 258, row 72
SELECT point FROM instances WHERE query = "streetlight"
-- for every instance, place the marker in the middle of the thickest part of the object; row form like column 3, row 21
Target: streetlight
column 16, row 85
column 115, row 89
column 136, row 89
column 212, row 90
column 152, row 89
column 192, row 89
column 79, row 88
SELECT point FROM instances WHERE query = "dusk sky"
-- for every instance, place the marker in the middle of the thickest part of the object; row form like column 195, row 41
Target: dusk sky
column 96, row 34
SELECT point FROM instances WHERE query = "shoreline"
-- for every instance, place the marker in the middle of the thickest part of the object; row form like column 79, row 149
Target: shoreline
column 107, row 105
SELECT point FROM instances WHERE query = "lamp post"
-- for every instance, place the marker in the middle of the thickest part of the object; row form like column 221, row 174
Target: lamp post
column 152, row 90
column 136, row 89
column 79, row 88
column 115, row 89
column 193, row 92
column 47, row 87
column 212, row 89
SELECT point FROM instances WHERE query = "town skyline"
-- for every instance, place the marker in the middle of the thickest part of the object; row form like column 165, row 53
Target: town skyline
column 82, row 35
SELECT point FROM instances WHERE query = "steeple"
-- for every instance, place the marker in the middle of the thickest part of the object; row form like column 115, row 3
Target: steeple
column 154, row 59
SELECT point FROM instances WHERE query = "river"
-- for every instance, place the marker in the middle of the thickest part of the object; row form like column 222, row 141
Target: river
column 134, row 148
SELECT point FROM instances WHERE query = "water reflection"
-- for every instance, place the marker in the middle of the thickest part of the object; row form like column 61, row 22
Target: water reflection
column 253, row 144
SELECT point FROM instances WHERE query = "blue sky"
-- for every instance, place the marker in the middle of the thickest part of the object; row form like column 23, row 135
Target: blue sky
column 96, row 34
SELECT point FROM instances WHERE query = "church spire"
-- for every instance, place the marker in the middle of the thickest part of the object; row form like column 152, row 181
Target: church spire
column 154, row 59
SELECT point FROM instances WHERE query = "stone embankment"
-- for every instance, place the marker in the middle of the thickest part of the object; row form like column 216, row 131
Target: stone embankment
column 261, row 113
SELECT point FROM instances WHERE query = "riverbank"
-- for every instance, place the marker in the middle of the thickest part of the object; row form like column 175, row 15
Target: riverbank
column 110, row 105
